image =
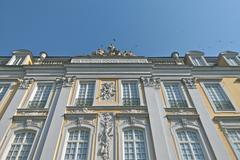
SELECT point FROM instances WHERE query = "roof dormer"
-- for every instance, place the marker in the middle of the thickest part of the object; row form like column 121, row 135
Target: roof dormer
column 228, row 58
column 195, row 58
column 21, row 57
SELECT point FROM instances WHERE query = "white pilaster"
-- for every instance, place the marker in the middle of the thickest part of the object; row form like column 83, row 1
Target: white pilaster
column 54, row 124
column 6, row 120
column 207, row 123
column 159, row 124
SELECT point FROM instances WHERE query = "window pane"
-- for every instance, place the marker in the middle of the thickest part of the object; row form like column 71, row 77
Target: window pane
column 233, row 61
column 21, row 146
column 130, row 94
column 175, row 96
column 77, row 145
column 41, row 96
column 85, row 94
column 3, row 90
column 190, row 145
column 218, row 97
column 134, row 145
column 234, row 137
column 198, row 61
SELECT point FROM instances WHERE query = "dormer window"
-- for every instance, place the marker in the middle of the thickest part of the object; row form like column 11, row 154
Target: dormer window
column 18, row 60
column 233, row 61
column 20, row 57
column 229, row 58
column 198, row 61
column 196, row 58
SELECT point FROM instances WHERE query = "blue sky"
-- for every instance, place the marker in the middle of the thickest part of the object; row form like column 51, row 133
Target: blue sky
column 147, row 27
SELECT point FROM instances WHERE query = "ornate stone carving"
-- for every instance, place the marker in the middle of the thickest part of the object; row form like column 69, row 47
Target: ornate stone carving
column 105, row 137
column 189, row 83
column 112, row 51
column 25, row 83
column 184, row 122
column 151, row 82
column 65, row 81
column 108, row 90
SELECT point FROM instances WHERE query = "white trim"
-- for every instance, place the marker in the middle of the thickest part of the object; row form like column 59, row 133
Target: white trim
column 203, row 82
column 182, row 89
column 202, row 139
column 65, row 135
column 147, row 134
column 76, row 92
column 198, row 63
column 225, row 126
column 5, row 147
column 140, row 91
column 34, row 90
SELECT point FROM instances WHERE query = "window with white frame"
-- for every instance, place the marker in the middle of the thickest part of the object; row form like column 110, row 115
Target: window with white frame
column 3, row 90
column 85, row 93
column 218, row 97
column 234, row 138
column 135, row 144
column 21, row 145
column 190, row 145
column 40, row 95
column 233, row 61
column 198, row 61
column 18, row 60
column 77, row 144
column 175, row 95
column 130, row 93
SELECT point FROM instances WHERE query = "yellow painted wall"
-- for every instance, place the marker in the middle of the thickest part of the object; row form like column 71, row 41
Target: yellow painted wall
column 232, row 87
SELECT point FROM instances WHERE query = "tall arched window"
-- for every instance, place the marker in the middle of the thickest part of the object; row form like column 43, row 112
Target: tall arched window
column 77, row 144
column 190, row 145
column 134, row 144
column 21, row 145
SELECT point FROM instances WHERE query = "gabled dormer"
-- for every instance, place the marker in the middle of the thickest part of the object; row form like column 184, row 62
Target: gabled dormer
column 21, row 57
column 195, row 58
column 228, row 58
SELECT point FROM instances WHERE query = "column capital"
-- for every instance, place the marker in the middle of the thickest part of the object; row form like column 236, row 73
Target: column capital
column 151, row 82
column 190, row 83
column 65, row 81
column 25, row 83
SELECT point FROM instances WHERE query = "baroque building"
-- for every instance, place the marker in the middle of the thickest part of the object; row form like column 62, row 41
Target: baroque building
column 113, row 105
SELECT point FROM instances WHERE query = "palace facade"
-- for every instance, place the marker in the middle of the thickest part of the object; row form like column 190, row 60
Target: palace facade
column 112, row 105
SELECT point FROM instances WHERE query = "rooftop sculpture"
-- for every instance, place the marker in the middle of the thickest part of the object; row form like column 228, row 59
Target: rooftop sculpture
column 111, row 51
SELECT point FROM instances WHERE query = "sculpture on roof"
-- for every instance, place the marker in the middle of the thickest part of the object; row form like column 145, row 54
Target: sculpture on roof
column 112, row 51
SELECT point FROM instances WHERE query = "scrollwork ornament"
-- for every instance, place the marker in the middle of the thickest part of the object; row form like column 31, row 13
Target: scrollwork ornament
column 151, row 82
column 25, row 83
column 108, row 90
column 68, row 81
column 189, row 82
column 105, row 137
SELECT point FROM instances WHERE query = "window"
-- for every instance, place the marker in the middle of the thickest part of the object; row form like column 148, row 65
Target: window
column 77, row 144
column 130, row 93
column 18, row 60
column 3, row 90
column 218, row 97
column 40, row 97
column 175, row 95
column 85, row 94
column 234, row 138
column 21, row 145
column 190, row 145
column 198, row 61
column 233, row 61
column 134, row 144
